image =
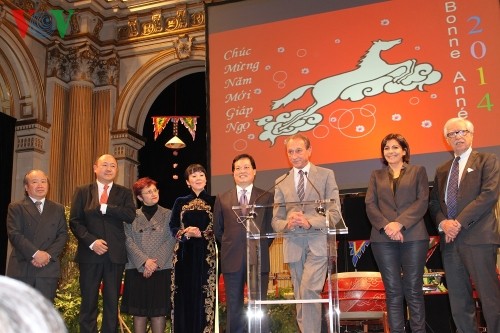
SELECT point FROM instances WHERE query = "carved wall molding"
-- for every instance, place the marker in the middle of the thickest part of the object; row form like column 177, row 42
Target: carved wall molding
column 126, row 145
column 30, row 136
column 183, row 45
column 162, row 22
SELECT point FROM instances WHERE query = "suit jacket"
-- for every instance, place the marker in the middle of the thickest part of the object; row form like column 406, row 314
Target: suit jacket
column 477, row 196
column 284, row 196
column 232, row 234
column 29, row 231
column 88, row 223
column 407, row 206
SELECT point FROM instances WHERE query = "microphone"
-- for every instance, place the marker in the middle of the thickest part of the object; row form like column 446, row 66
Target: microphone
column 320, row 209
column 252, row 213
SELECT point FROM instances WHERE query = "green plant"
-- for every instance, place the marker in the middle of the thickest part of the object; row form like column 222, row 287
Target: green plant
column 68, row 302
column 222, row 316
column 282, row 316
column 68, row 299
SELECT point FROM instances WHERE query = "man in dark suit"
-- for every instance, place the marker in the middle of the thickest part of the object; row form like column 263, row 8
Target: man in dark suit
column 304, row 248
column 98, row 211
column 37, row 231
column 230, row 230
column 463, row 210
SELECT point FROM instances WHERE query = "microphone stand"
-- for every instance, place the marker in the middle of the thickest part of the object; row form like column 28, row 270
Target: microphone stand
column 320, row 209
column 252, row 213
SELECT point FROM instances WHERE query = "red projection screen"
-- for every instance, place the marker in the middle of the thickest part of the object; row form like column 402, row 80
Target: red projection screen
column 346, row 73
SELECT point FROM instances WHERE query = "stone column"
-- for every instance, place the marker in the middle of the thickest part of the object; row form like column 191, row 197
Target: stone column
column 57, row 111
column 126, row 145
column 102, row 119
column 30, row 141
column 78, row 152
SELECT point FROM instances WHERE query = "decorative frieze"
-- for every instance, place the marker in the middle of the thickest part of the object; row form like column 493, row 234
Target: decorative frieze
column 162, row 22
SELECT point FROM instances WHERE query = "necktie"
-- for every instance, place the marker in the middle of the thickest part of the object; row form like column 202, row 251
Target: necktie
column 104, row 195
column 38, row 205
column 452, row 190
column 243, row 202
column 300, row 187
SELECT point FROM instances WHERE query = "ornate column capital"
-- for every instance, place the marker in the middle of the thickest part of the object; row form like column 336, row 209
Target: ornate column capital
column 83, row 63
column 125, row 148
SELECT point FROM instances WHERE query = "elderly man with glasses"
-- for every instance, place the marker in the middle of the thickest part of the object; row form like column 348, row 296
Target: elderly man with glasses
column 462, row 203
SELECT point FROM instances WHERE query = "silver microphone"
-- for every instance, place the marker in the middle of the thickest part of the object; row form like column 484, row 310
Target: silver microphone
column 320, row 209
column 252, row 213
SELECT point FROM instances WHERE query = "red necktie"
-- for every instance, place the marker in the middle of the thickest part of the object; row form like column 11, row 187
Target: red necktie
column 104, row 195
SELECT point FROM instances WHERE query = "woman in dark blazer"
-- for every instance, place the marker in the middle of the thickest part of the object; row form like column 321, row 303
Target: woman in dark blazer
column 396, row 202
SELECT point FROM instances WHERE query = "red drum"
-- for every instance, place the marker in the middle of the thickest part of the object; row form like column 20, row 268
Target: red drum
column 360, row 292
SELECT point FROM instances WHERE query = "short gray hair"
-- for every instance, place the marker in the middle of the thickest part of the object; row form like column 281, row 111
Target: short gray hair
column 25, row 309
column 468, row 124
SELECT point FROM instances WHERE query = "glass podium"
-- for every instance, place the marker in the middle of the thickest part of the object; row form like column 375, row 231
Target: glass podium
column 262, row 306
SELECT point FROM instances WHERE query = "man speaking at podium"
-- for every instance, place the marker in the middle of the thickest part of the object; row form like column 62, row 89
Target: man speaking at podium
column 304, row 249
column 230, row 230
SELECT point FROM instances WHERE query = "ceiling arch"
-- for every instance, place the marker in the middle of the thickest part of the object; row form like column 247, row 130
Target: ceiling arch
column 22, row 85
column 147, row 84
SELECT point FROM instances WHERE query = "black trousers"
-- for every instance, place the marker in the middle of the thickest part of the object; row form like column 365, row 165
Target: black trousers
column 91, row 276
column 402, row 268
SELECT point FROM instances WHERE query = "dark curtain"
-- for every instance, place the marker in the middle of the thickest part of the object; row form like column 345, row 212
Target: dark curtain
column 7, row 130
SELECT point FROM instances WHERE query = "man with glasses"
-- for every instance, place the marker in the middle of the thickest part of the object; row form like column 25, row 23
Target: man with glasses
column 304, row 248
column 462, row 202
column 230, row 229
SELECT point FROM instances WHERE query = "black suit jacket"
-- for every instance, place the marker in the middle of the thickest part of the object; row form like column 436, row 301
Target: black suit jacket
column 88, row 223
column 408, row 206
column 477, row 197
column 232, row 234
column 29, row 231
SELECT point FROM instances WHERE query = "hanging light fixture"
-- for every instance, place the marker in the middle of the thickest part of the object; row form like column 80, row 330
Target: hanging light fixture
column 175, row 142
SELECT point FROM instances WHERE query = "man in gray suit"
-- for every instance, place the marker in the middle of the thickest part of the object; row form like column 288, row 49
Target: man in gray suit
column 464, row 214
column 230, row 230
column 304, row 248
column 37, row 231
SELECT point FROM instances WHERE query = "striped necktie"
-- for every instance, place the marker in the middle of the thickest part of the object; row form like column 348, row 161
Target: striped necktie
column 300, row 187
column 38, row 205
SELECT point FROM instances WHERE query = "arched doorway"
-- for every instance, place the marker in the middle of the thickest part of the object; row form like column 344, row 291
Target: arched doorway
column 184, row 97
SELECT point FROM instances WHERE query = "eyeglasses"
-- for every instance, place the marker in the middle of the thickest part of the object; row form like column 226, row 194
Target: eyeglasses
column 150, row 192
column 243, row 168
column 455, row 133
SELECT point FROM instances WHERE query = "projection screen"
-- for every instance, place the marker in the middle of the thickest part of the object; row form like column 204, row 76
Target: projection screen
column 346, row 73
